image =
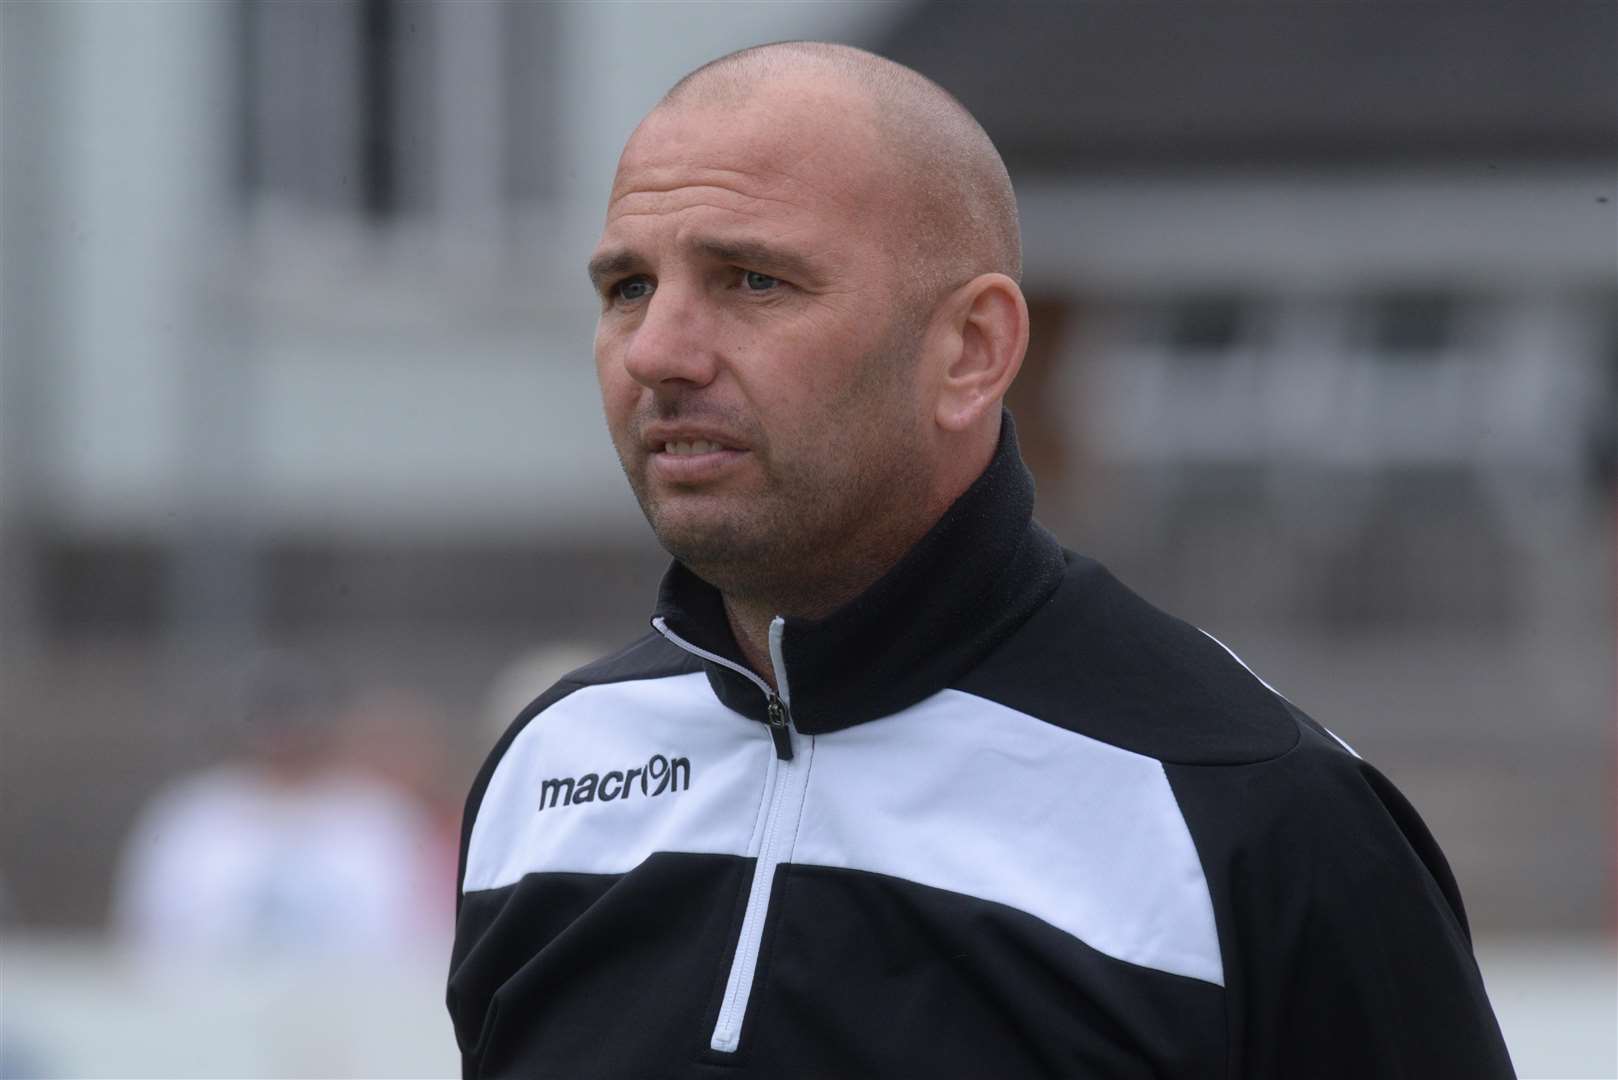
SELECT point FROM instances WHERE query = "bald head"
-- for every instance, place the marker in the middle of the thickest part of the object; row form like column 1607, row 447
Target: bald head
column 809, row 318
column 956, row 211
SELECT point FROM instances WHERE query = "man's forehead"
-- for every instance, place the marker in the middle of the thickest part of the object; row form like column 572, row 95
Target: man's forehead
column 816, row 142
column 715, row 212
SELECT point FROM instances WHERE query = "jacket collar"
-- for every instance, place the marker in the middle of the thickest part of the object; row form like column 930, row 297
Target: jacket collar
column 961, row 590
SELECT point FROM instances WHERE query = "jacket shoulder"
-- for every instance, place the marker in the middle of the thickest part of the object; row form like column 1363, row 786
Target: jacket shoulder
column 647, row 657
column 650, row 656
column 1099, row 660
column 1345, row 942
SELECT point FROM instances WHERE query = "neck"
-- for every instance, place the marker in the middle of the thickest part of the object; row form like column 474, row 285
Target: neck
column 815, row 588
column 814, row 592
column 814, row 595
column 875, row 642
column 750, row 624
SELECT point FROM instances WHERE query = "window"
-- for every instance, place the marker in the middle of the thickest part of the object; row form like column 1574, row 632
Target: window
column 1411, row 326
column 1200, row 325
column 385, row 112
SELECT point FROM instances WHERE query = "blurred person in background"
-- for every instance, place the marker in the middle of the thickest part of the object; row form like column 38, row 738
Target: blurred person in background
column 290, row 847
column 897, row 786
column 396, row 734
column 21, row 1056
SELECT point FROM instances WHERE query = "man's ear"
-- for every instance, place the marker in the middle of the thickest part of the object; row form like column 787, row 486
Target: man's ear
column 987, row 337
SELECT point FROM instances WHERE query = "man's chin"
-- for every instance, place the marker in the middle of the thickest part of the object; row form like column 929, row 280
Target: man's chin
column 693, row 544
column 710, row 544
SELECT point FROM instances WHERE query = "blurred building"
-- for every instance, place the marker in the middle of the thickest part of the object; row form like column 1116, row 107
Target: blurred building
column 297, row 348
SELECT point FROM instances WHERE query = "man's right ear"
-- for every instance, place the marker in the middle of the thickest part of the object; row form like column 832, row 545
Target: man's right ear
column 986, row 337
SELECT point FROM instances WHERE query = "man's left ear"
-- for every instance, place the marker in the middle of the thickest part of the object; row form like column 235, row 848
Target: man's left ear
column 988, row 336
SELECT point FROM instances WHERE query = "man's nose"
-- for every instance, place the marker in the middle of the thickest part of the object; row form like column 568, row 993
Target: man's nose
column 674, row 344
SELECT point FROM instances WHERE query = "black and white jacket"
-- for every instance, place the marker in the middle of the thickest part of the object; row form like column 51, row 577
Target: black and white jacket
column 1005, row 819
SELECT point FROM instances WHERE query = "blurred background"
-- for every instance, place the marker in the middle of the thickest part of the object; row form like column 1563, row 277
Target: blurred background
column 305, row 488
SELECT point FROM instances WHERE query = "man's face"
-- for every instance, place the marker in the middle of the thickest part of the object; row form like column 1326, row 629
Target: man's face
column 755, row 352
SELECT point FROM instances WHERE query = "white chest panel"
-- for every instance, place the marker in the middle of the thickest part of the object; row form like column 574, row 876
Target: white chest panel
column 956, row 792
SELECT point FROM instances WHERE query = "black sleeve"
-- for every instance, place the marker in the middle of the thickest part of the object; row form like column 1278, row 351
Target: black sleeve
column 1345, row 946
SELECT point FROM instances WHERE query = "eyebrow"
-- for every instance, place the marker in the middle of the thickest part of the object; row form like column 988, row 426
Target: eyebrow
column 753, row 254
column 760, row 256
column 609, row 264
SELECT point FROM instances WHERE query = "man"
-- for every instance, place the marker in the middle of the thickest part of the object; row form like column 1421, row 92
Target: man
column 896, row 786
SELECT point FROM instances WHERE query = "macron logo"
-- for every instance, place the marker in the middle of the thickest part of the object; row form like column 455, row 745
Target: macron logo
column 658, row 775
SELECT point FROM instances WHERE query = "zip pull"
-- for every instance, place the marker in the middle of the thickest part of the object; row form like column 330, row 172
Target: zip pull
column 780, row 733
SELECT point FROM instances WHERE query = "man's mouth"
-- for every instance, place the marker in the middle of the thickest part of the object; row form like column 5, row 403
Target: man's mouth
column 693, row 461
column 695, row 446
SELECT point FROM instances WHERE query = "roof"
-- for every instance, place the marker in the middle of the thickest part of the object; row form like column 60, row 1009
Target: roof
column 1144, row 83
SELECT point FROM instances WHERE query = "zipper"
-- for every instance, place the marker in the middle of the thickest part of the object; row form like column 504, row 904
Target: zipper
column 787, row 784
column 777, row 707
column 780, row 728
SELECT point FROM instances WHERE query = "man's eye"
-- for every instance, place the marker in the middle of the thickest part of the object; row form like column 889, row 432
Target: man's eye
column 635, row 288
column 757, row 282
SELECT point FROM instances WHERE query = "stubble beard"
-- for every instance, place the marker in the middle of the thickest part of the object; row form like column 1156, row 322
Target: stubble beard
column 806, row 544
column 818, row 531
